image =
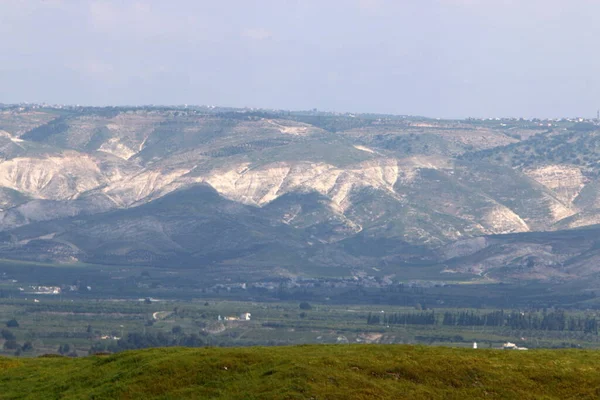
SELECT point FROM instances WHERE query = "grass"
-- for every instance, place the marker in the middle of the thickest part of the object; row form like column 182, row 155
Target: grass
column 304, row 372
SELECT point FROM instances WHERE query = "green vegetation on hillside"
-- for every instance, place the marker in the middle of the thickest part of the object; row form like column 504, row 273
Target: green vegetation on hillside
column 305, row 372
column 579, row 146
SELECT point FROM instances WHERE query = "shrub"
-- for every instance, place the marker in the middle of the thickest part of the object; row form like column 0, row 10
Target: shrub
column 64, row 348
column 176, row 330
column 13, row 323
column 11, row 345
column 27, row 346
column 7, row 335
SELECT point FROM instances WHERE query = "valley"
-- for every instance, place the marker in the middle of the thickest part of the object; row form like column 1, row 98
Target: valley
column 128, row 228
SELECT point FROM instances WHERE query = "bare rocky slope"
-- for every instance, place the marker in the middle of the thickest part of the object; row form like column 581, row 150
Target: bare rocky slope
column 192, row 186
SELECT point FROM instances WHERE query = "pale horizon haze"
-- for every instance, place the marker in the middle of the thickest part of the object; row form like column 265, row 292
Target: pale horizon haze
column 437, row 58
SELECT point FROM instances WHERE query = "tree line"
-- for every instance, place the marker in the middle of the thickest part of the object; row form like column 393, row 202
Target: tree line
column 547, row 321
column 422, row 318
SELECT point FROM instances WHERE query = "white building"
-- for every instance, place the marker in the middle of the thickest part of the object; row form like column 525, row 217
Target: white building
column 245, row 316
column 512, row 346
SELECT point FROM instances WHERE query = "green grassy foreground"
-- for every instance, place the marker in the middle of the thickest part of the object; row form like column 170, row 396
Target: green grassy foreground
column 305, row 372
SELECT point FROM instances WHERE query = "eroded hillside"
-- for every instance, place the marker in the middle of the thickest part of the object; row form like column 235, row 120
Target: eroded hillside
column 92, row 183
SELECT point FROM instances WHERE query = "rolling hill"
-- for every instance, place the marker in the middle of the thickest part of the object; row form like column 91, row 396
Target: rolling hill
column 307, row 372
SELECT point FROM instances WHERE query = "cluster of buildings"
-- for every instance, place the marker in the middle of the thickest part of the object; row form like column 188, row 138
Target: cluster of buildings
column 538, row 120
column 53, row 290
column 243, row 317
column 109, row 337
column 44, row 290
column 365, row 281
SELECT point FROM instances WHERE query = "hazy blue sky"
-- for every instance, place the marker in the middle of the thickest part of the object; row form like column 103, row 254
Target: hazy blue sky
column 446, row 58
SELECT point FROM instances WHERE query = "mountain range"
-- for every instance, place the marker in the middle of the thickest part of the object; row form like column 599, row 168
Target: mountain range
column 505, row 199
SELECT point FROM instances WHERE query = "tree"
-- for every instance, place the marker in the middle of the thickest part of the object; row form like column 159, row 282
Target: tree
column 7, row 335
column 27, row 346
column 11, row 345
column 13, row 323
column 305, row 306
column 64, row 348
column 373, row 319
column 176, row 330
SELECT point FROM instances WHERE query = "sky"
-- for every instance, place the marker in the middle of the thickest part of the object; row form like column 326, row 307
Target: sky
column 436, row 58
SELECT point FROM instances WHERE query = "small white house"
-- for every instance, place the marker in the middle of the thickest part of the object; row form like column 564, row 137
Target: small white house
column 245, row 316
column 512, row 346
